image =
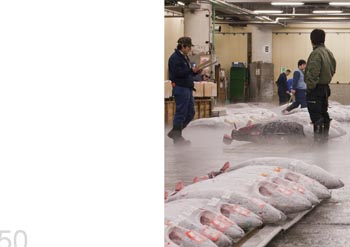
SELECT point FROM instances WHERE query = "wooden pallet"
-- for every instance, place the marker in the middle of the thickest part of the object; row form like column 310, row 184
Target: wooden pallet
column 202, row 107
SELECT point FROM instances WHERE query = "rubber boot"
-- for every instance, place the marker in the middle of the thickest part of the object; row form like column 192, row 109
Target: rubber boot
column 318, row 133
column 326, row 126
column 176, row 135
column 180, row 140
column 175, row 132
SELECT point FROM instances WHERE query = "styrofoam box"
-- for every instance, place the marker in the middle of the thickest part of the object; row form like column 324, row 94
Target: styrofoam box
column 167, row 89
column 199, row 89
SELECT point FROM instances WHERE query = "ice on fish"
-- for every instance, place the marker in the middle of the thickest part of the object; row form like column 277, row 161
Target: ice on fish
column 192, row 215
column 277, row 195
column 305, row 186
column 243, row 217
column 265, row 211
column 312, row 171
column 177, row 236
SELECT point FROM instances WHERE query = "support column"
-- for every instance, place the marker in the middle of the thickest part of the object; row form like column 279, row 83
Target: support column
column 261, row 44
column 197, row 25
column 261, row 68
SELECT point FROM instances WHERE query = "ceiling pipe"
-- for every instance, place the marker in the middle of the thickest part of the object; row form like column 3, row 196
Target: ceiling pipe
column 315, row 19
column 238, row 10
column 312, row 15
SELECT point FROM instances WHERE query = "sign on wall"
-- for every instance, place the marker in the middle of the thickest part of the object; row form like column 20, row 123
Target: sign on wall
column 283, row 69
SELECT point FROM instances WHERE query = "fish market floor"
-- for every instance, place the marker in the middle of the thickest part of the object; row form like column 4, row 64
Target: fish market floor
column 327, row 225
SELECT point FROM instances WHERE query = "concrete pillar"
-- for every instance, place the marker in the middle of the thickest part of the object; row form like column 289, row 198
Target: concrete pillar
column 261, row 44
column 197, row 25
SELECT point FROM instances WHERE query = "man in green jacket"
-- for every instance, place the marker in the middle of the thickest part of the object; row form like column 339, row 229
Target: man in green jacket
column 319, row 71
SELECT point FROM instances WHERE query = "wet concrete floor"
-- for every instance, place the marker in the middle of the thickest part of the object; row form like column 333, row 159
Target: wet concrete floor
column 327, row 225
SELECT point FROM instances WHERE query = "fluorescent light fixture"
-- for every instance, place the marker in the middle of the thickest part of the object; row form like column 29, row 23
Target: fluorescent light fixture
column 287, row 3
column 340, row 3
column 268, row 11
column 327, row 11
column 180, row 3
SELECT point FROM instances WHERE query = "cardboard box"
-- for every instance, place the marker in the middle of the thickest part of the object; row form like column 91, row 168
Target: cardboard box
column 210, row 89
column 168, row 89
column 199, row 89
column 214, row 89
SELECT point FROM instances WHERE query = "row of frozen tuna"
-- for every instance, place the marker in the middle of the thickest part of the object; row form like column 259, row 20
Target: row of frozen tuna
column 219, row 210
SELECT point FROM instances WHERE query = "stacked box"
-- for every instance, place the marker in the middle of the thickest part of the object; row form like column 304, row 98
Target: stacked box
column 168, row 89
column 199, row 89
column 214, row 89
column 210, row 89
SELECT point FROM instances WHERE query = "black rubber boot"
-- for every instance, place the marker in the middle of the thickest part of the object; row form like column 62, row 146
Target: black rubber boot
column 326, row 126
column 318, row 133
column 175, row 132
column 176, row 135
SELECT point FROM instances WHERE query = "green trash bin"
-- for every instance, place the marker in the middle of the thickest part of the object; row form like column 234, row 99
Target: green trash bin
column 238, row 82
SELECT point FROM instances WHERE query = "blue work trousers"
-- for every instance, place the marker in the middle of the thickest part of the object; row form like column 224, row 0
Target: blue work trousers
column 184, row 106
column 300, row 99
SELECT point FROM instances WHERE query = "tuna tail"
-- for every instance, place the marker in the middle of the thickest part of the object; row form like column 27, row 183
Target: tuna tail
column 227, row 139
column 179, row 186
column 222, row 170
column 200, row 178
column 225, row 167
column 212, row 174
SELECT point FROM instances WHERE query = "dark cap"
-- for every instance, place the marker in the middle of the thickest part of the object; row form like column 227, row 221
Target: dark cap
column 185, row 41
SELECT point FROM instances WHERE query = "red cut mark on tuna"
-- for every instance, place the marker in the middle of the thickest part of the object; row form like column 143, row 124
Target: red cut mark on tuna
column 299, row 189
column 221, row 223
column 196, row 237
column 261, row 204
column 285, row 191
column 240, row 210
column 211, row 233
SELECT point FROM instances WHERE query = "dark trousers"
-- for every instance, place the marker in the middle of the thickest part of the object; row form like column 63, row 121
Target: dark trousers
column 184, row 106
column 317, row 103
column 300, row 99
column 283, row 97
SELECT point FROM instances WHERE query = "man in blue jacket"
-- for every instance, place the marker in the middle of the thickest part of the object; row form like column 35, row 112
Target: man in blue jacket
column 282, row 87
column 181, row 74
column 298, row 87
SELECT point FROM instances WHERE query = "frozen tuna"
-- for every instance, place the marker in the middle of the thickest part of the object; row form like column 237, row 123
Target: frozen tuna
column 275, row 130
column 315, row 172
column 179, row 236
column 192, row 215
column 265, row 211
column 277, row 195
column 307, row 187
column 243, row 217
